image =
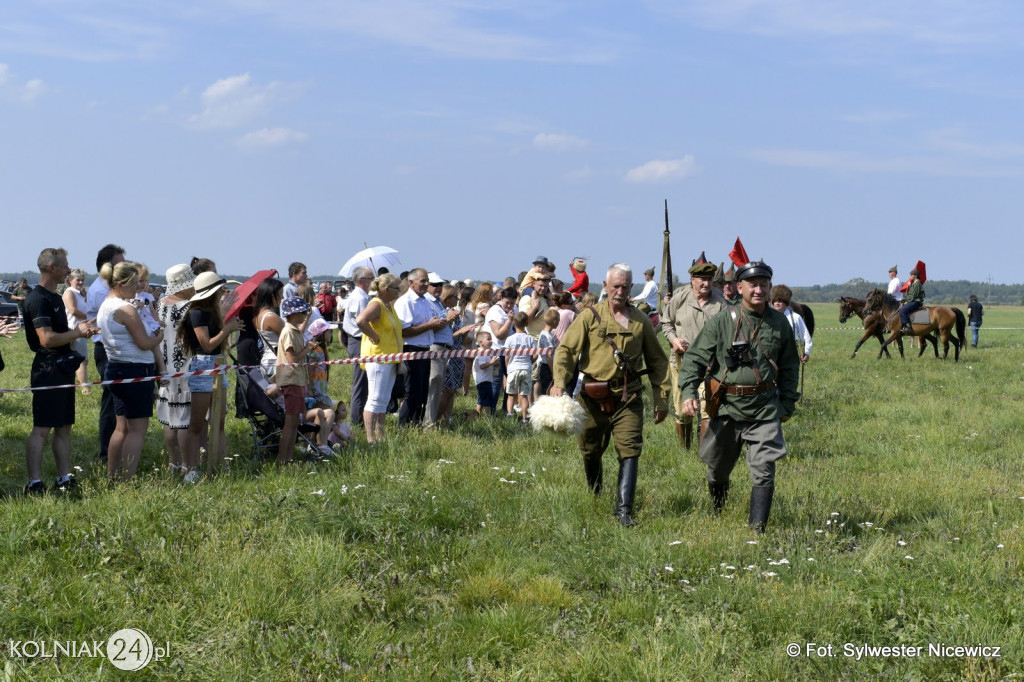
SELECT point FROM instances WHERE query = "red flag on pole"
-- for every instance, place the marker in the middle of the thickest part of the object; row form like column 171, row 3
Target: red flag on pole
column 738, row 255
column 921, row 274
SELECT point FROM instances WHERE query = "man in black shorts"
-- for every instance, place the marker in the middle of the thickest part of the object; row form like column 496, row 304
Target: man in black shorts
column 48, row 336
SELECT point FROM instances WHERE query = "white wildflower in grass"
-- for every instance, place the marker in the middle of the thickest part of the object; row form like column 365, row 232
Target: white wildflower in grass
column 675, row 542
column 483, row 524
column 545, row 469
column 313, row 473
column 318, row 492
column 769, row 574
column 445, row 461
column 956, row 539
column 495, row 469
column 829, row 522
column 818, row 532
column 751, row 567
column 730, row 568
column 834, row 514
column 359, row 486
column 810, row 558
column 685, row 581
column 751, row 542
column 670, row 569
column 999, row 546
column 909, row 558
column 868, row 524
column 783, row 561
column 901, row 543
column 77, row 468
column 724, row 575
column 344, row 490
column 505, row 480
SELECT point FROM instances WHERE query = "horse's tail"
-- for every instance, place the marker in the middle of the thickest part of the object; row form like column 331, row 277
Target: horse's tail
column 961, row 328
column 809, row 319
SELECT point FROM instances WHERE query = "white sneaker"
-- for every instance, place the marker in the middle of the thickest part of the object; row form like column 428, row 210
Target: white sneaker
column 192, row 476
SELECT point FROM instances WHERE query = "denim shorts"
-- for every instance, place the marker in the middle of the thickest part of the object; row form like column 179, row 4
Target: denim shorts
column 132, row 400
column 204, row 382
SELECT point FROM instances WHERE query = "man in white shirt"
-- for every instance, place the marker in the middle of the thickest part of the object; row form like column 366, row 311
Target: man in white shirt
column 354, row 304
column 649, row 294
column 98, row 292
column 498, row 322
column 894, row 284
column 443, row 340
column 418, row 326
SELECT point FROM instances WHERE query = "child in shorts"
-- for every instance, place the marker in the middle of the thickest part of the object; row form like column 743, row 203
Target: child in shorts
column 519, row 383
column 292, row 380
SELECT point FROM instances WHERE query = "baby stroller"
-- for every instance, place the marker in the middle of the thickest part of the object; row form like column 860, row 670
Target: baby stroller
column 266, row 418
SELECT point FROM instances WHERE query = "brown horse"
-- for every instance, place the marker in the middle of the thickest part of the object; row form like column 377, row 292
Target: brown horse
column 942, row 319
column 873, row 326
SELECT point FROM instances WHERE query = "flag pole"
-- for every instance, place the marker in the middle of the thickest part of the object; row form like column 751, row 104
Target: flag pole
column 665, row 285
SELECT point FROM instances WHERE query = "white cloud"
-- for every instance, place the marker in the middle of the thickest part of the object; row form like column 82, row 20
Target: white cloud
column 580, row 175
column 854, row 162
column 954, row 141
column 874, row 117
column 13, row 90
column 271, row 137
column 957, row 23
column 663, row 170
column 558, row 142
column 234, row 101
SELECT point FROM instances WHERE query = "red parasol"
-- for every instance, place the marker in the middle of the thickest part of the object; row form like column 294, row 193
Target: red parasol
column 237, row 299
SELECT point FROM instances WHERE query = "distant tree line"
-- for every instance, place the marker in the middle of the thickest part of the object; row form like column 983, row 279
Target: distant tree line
column 949, row 292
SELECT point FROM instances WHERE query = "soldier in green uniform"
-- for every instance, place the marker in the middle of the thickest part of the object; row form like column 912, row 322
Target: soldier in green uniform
column 913, row 300
column 613, row 344
column 755, row 373
column 692, row 305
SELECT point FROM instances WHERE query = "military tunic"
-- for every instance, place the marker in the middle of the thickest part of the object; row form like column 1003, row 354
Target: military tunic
column 683, row 319
column 585, row 340
column 751, row 419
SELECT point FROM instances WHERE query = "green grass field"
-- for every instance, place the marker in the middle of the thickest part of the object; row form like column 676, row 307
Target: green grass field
column 477, row 553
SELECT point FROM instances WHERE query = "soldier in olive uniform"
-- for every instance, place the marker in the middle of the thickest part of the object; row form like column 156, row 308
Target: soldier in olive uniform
column 750, row 349
column 614, row 343
column 692, row 305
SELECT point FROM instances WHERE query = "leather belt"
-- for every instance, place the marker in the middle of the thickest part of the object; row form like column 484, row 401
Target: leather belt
column 617, row 384
column 737, row 389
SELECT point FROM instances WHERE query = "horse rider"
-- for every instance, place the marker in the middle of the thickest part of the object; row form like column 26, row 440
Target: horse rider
column 894, row 285
column 913, row 301
column 610, row 343
column 754, row 368
column 692, row 305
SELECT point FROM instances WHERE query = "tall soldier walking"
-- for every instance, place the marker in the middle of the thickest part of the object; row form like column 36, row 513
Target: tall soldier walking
column 755, row 371
column 615, row 344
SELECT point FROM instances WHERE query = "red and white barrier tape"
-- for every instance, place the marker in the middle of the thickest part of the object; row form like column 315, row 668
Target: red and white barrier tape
column 389, row 358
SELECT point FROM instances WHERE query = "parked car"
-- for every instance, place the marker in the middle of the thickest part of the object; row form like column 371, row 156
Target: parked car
column 8, row 308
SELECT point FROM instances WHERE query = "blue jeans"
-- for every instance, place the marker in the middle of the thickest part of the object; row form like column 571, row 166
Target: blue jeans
column 974, row 334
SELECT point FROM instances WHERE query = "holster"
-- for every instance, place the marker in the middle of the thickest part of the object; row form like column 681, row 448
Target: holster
column 601, row 393
column 713, row 392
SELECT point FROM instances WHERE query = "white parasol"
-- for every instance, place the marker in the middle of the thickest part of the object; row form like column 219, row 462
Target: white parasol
column 373, row 257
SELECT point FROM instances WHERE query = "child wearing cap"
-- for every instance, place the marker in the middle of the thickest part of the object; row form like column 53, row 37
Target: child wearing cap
column 290, row 378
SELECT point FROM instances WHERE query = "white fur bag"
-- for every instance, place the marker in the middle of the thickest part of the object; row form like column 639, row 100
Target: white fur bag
column 562, row 415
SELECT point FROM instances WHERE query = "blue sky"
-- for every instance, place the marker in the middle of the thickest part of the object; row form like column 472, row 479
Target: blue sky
column 835, row 138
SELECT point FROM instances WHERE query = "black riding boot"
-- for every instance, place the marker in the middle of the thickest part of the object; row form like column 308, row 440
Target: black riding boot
column 760, row 506
column 719, row 491
column 595, row 473
column 627, row 489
